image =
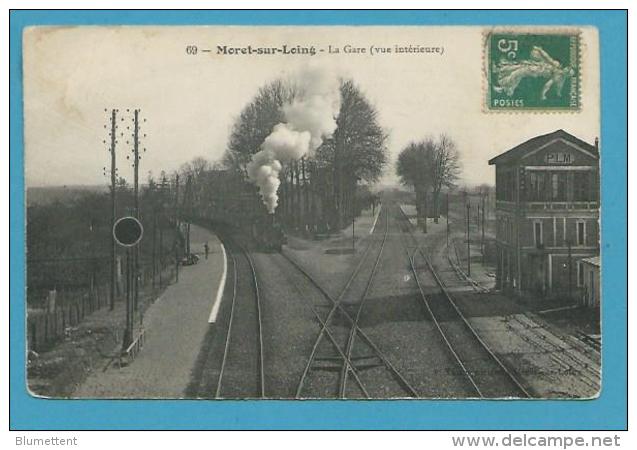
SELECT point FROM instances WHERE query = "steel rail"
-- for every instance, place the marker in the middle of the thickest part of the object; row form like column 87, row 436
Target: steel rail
column 228, row 332
column 259, row 331
column 512, row 377
column 474, row 333
column 257, row 297
column 434, row 319
column 329, row 334
column 362, row 334
column 564, row 352
column 338, row 305
column 352, row 334
column 335, row 307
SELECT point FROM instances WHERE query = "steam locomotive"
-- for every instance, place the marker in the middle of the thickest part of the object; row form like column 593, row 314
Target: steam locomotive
column 232, row 205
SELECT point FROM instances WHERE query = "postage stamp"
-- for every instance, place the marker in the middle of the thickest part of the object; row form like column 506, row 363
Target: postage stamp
column 533, row 71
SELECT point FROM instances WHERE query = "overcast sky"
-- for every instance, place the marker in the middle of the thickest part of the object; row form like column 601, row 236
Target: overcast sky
column 72, row 74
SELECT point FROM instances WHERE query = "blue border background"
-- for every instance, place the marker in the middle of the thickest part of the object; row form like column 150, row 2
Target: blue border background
column 609, row 411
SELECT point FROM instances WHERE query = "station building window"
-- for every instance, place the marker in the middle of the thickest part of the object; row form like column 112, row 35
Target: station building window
column 558, row 187
column 580, row 274
column 537, row 186
column 510, row 223
column 581, row 232
column 537, row 233
column 581, row 186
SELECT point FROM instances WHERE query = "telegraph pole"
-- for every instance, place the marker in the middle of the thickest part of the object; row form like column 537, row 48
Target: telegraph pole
column 447, row 223
column 570, row 272
column 136, row 189
column 354, row 222
column 468, row 241
column 177, row 200
column 483, row 220
column 136, row 159
column 154, row 252
column 113, row 207
column 128, row 334
column 176, row 225
column 188, row 211
column 426, row 213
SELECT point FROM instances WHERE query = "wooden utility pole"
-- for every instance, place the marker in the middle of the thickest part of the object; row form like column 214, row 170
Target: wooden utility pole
column 306, row 198
column 354, row 223
column 128, row 331
column 425, row 218
column 136, row 159
column 299, row 201
column 113, row 208
column 483, row 221
column 176, row 226
column 447, row 214
column 188, row 211
column 570, row 271
column 136, row 194
column 177, row 201
column 468, row 241
column 154, row 252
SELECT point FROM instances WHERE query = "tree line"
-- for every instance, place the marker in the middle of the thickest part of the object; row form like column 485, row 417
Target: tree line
column 325, row 190
column 69, row 240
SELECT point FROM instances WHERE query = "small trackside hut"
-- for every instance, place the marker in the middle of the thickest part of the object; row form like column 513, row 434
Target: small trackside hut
column 547, row 209
column 589, row 274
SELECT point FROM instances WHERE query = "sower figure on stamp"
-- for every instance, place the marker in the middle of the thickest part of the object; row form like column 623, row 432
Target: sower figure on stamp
column 206, row 249
column 539, row 65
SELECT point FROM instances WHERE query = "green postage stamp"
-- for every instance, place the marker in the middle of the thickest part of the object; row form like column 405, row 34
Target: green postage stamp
column 533, row 71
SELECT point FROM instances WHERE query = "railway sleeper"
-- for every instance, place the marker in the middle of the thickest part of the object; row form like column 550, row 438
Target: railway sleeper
column 340, row 358
column 337, row 367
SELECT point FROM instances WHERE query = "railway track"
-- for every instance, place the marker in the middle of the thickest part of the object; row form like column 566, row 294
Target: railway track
column 486, row 374
column 569, row 358
column 343, row 355
column 241, row 374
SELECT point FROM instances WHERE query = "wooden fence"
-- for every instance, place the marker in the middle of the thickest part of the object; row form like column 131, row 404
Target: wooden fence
column 46, row 326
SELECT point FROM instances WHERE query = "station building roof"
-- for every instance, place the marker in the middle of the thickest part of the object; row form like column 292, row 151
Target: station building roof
column 522, row 149
column 594, row 261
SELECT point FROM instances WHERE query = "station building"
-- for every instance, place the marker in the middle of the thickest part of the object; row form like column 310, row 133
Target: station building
column 547, row 215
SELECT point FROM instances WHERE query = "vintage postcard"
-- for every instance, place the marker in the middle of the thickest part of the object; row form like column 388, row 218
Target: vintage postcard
column 301, row 212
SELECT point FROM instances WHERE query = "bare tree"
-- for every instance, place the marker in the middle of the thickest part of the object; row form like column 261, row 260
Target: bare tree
column 256, row 122
column 445, row 169
column 429, row 165
column 195, row 168
column 414, row 169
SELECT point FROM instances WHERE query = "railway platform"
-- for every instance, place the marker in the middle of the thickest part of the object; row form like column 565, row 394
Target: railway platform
column 174, row 325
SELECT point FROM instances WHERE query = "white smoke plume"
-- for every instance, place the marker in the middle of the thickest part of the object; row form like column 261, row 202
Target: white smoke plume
column 309, row 118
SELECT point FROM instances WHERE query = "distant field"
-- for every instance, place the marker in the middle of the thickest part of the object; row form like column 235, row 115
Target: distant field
column 45, row 195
